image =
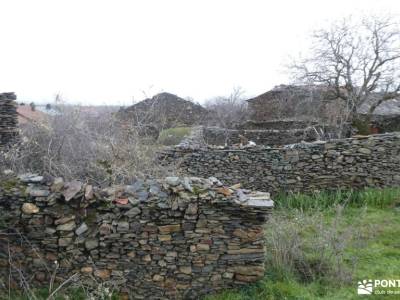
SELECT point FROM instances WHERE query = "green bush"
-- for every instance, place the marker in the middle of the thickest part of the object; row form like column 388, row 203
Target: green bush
column 362, row 126
column 173, row 136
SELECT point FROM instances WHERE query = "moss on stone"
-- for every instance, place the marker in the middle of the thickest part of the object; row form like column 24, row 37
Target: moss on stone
column 10, row 184
column 91, row 217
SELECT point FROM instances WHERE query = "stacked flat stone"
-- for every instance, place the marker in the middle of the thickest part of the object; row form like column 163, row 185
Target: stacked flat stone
column 353, row 163
column 216, row 136
column 156, row 239
column 8, row 119
column 194, row 140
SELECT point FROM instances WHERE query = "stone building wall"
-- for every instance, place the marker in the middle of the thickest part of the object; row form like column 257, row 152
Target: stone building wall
column 163, row 111
column 386, row 123
column 294, row 102
column 8, row 118
column 271, row 137
column 156, row 239
column 221, row 136
column 275, row 124
column 348, row 163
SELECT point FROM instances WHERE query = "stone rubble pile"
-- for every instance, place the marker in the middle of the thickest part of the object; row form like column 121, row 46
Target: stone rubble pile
column 8, row 119
column 157, row 239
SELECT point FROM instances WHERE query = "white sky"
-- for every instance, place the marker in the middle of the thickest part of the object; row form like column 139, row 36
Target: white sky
column 107, row 52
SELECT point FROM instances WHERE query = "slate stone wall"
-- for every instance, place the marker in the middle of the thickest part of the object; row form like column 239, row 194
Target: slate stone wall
column 291, row 101
column 8, row 119
column 221, row 136
column 386, row 123
column 276, row 124
column 155, row 239
column 348, row 163
column 268, row 137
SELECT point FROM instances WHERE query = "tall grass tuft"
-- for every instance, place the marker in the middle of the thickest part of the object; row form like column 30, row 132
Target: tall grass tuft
column 309, row 247
column 378, row 198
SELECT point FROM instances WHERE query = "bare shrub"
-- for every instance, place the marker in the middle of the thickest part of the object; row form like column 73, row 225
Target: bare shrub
column 228, row 111
column 57, row 287
column 75, row 144
column 309, row 246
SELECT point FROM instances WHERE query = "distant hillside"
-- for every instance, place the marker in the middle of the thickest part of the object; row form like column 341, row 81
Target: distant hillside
column 165, row 110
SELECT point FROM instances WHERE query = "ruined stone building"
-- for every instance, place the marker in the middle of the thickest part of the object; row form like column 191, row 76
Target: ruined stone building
column 165, row 110
column 291, row 105
column 386, row 117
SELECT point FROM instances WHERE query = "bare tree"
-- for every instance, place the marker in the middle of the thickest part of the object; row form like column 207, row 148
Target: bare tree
column 229, row 110
column 357, row 61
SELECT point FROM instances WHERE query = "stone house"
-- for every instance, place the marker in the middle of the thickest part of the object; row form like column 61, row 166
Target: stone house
column 316, row 104
column 386, row 117
column 291, row 102
column 165, row 110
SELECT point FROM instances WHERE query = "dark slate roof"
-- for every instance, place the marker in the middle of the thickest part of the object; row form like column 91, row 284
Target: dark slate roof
column 166, row 108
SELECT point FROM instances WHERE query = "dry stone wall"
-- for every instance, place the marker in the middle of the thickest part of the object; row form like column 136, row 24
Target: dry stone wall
column 221, row 136
column 348, row 163
column 8, row 118
column 276, row 124
column 155, row 239
column 268, row 137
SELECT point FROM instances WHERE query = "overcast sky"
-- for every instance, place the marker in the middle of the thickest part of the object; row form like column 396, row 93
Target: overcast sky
column 110, row 52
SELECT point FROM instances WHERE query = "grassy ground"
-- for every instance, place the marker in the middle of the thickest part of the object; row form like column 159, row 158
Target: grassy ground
column 367, row 233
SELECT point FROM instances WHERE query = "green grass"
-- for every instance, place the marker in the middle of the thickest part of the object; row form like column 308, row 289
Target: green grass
column 173, row 136
column 43, row 293
column 380, row 198
column 374, row 218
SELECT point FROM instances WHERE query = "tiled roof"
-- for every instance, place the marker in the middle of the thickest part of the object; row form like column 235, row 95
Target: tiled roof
column 26, row 115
